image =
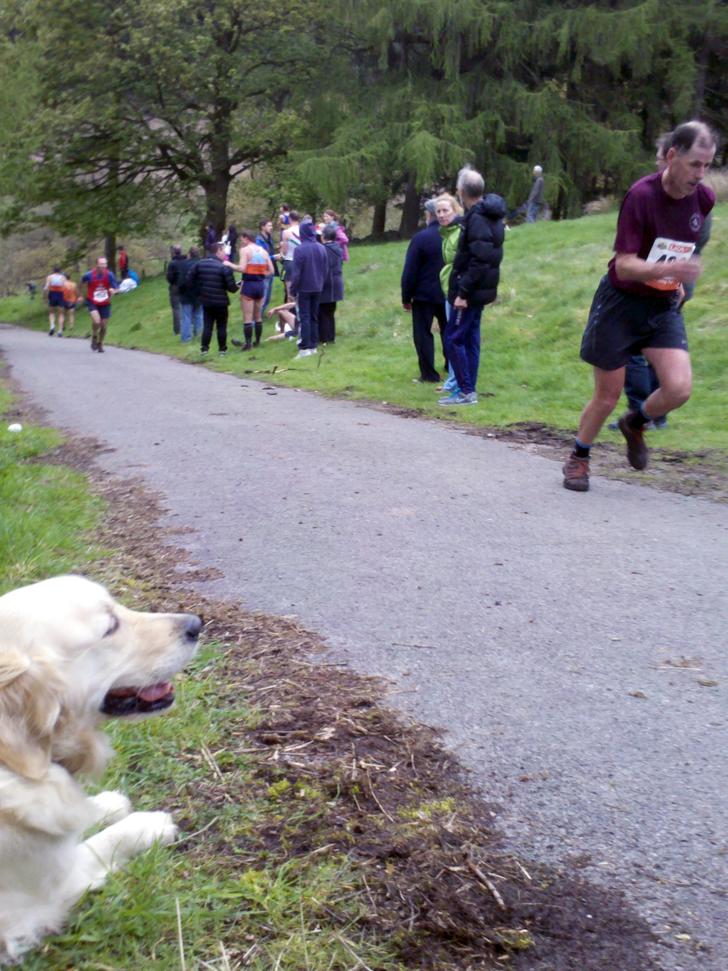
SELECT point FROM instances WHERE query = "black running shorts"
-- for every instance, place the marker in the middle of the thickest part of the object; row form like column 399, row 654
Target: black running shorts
column 622, row 324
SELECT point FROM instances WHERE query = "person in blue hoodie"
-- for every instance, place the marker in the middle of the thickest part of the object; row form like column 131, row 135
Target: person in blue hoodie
column 473, row 281
column 422, row 293
column 308, row 275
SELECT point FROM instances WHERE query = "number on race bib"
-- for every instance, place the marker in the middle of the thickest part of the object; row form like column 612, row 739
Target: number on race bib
column 668, row 251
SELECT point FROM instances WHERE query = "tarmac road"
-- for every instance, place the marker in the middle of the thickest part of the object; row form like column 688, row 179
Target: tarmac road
column 573, row 646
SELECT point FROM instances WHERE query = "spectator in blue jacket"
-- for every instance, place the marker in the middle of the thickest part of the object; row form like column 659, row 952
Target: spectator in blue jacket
column 308, row 275
column 422, row 293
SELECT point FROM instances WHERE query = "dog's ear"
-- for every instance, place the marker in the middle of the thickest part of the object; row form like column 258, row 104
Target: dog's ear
column 29, row 710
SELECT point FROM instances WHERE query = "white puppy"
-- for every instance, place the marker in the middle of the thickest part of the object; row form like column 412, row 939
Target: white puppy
column 70, row 656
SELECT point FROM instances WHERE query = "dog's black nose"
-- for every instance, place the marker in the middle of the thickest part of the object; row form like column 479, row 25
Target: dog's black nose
column 193, row 626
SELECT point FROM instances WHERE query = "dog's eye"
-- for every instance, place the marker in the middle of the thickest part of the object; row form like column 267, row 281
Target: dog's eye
column 113, row 627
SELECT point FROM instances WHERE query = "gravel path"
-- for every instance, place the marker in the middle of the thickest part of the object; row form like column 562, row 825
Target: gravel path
column 573, row 646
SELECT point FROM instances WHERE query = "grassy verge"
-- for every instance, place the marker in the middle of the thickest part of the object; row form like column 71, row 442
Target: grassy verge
column 530, row 369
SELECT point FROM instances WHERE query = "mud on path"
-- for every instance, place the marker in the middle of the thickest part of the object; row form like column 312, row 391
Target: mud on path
column 702, row 473
column 437, row 881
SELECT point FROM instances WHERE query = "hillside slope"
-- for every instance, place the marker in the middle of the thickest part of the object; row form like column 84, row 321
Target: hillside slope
column 530, row 367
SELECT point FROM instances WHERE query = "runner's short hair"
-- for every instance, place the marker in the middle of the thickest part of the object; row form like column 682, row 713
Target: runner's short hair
column 470, row 183
column 692, row 133
column 248, row 234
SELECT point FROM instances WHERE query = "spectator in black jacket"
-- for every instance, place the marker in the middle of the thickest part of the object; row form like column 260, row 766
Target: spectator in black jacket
column 422, row 293
column 173, row 279
column 333, row 290
column 213, row 281
column 473, row 281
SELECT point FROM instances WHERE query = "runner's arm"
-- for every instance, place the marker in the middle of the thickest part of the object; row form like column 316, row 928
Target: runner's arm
column 629, row 267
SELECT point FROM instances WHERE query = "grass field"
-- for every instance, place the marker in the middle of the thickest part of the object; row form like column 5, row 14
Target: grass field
column 530, row 368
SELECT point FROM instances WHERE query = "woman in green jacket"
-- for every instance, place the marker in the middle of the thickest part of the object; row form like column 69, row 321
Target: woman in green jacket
column 450, row 216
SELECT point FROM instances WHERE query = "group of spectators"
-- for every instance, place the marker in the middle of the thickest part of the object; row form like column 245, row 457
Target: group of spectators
column 309, row 259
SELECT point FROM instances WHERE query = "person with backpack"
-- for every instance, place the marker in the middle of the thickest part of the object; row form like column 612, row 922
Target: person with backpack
column 191, row 319
column 101, row 285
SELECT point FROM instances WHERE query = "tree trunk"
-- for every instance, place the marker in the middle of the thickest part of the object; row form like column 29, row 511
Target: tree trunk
column 110, row 250
column 410, row 212
column 379, row 220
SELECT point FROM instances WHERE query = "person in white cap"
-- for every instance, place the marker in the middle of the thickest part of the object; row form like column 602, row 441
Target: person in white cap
column 534, row 203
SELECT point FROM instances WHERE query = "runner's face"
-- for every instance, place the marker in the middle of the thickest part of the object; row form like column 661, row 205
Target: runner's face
column 445, row 213
column 102, row 263
column 686, row 171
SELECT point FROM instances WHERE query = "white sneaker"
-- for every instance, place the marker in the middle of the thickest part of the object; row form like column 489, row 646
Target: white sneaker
column 304, row 353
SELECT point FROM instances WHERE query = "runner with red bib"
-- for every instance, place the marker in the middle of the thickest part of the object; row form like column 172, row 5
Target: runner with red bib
column 101, row 285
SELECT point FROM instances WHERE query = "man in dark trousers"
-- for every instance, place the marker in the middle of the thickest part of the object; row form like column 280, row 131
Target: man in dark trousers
column 473, row 281
column 212, row 281
column 308, row 275
column 174, row 280
column 422, row 293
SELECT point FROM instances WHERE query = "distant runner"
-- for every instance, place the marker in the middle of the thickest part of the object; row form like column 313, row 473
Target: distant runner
column 53, row 287
column 70, row 300
column 636, row 308
column 101, row 285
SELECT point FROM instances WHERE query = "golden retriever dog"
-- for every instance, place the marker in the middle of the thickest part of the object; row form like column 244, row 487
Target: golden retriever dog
column 70, row 656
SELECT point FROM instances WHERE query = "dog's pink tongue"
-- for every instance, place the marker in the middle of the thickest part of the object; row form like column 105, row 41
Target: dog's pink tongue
column 155, row 691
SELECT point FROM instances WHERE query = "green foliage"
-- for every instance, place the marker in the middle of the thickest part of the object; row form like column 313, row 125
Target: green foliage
column 581, row 88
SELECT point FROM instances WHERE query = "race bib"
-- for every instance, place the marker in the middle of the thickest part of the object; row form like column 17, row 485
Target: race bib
column 100, row 295
column 668, row 251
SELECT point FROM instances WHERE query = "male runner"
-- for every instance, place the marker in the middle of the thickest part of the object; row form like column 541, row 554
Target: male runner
column 101, row 285
column 636, row 308
column 53, row 287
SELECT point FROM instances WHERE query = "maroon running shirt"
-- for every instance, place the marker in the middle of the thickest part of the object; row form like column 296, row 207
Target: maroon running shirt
column 658, row 228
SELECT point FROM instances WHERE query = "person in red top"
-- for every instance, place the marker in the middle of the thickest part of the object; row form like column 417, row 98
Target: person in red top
column 123, row 262
column 636, row 308
column 101, row 285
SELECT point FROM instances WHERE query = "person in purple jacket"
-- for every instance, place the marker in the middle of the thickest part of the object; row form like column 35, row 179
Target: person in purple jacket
column 308, row 275
column 636, row 309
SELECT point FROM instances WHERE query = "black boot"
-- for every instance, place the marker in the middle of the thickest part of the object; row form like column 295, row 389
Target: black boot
column 248, row 328
column 258, row 332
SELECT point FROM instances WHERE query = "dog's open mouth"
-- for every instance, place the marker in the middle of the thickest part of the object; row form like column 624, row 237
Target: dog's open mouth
column 136, row 701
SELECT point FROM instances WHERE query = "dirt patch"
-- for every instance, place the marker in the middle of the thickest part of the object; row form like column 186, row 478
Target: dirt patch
column 387, row 794
column 703, row 473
